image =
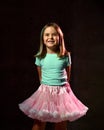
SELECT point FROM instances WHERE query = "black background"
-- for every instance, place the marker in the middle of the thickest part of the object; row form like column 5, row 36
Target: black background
column 82, row 22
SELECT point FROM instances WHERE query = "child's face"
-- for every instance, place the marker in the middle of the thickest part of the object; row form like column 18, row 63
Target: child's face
column 50, row 37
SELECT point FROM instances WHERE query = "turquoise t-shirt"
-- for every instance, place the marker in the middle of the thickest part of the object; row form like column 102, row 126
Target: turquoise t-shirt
column 53, row 69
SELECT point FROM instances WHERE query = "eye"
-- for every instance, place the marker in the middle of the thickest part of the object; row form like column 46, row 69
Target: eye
column 55, row 34
column 46, row 34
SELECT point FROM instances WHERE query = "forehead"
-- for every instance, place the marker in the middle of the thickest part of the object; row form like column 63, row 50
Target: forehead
column 50, row 29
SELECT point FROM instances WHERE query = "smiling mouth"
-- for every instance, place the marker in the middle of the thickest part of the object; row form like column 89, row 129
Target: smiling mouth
column 51, row 41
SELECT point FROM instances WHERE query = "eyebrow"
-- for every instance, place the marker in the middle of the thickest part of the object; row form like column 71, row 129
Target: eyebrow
column 51, row 33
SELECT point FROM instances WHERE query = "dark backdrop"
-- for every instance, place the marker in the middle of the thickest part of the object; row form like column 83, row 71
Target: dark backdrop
column 82, row 22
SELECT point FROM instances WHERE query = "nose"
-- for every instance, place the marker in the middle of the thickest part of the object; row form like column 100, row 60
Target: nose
column 50, row 36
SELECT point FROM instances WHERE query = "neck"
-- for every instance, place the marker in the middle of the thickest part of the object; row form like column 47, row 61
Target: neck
column 52, row 50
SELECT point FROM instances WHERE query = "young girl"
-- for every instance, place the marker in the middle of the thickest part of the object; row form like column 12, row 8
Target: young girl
column 54, row 100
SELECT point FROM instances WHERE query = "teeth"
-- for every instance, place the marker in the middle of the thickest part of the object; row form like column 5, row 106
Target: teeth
column 50, row 42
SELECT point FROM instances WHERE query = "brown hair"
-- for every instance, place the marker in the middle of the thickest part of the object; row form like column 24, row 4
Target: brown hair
column 42, row 50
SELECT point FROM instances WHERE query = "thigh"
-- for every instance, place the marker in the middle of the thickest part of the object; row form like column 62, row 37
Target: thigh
column 61, row 125
column 38, row 125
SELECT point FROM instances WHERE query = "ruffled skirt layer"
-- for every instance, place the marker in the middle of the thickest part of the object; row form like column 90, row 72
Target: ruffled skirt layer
column 53, row 104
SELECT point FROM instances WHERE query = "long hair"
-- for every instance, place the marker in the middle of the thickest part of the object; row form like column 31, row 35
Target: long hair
column 42, row 50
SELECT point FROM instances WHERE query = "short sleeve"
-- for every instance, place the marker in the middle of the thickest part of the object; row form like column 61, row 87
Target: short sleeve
column 68, row 60
column 38, row 61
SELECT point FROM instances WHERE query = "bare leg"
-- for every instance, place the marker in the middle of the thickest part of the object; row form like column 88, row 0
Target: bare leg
column 38, row 125
column 61, row 126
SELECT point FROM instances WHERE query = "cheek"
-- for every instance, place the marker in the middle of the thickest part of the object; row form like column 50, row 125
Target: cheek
column 57, row 39
column 44, row 39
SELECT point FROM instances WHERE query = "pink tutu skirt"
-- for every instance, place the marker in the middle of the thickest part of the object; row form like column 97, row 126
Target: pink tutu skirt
column 53, row 104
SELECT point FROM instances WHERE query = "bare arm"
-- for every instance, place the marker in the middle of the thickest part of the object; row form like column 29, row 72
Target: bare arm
column 68, row 71
column 39, row 72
